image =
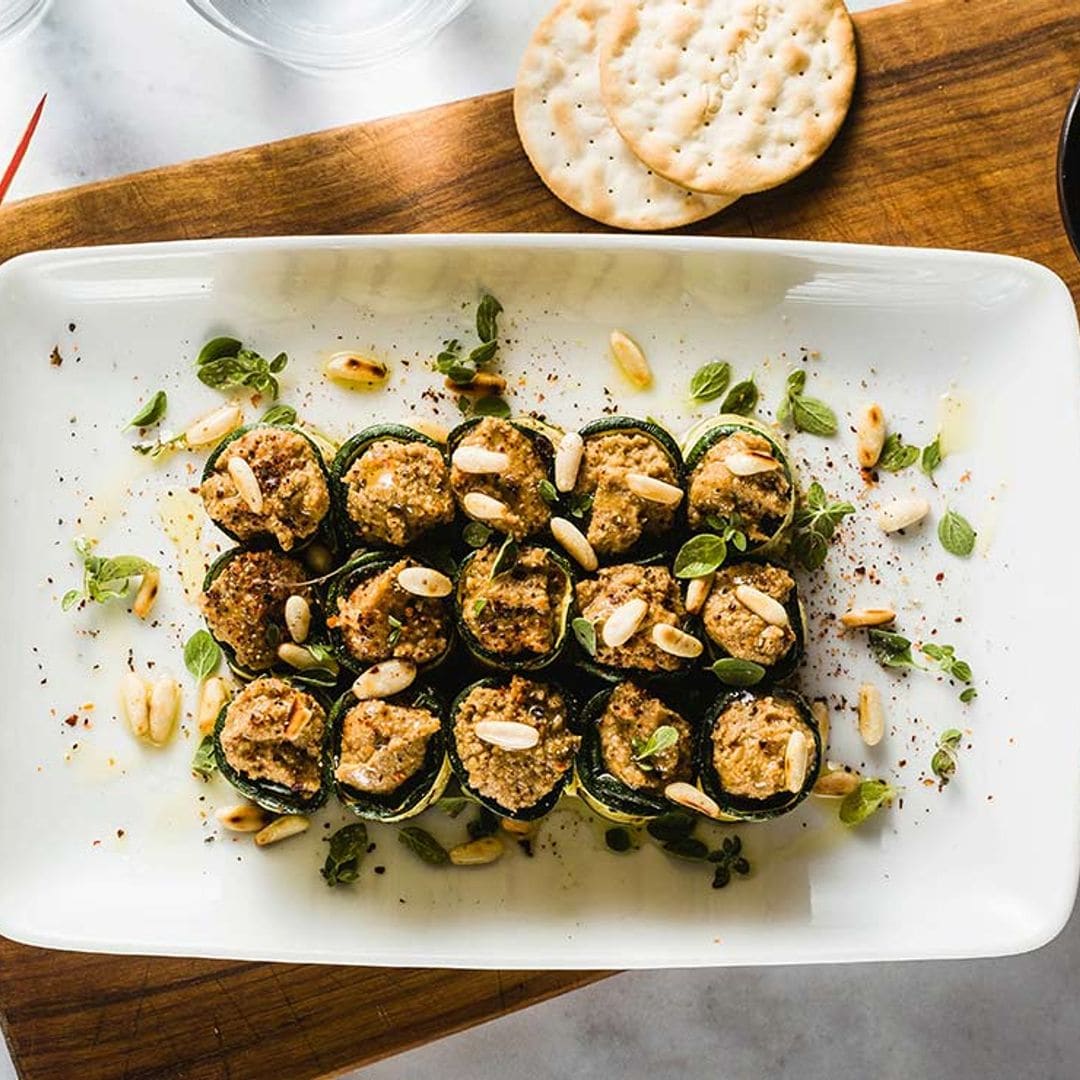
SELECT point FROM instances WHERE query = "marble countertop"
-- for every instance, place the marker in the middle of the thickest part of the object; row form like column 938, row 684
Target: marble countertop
column 137, row 83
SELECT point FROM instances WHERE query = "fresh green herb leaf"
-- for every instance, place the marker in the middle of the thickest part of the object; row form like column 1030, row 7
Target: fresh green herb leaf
column 618, row 839
column 348, row 846
column 204, row 762
column 201, row 655
column 805, row 413
column 931, row 456
column 225, row 364
column 490, row 406
column 487, row 315
column 396, row 626
column 216, row 348
column 815, row 523
column 672, row 826
column 796, row 383
column 476, row 534
column 548, row 492
column 688, row 848
column 483, row 354
column 580, row 505
column 951, row 738
column 484, row 824
column 104, row 579
column 890, row 649
column 734, row 672
column 663, row 738
column 710, row 381
column 943, row 763
column 507, row 557
column 896, row 455
column 585, row 633
column 968, row 695
column 729, row 529
column 151, row 412
column 478, row 606
column 279, row 414
column 450, row 363
column 700, row 556
column 865, row 800
column 741, row 399
column 956, row 534
column 945, row 658
column 452, row 805
column 423, row 845
column 157, row 450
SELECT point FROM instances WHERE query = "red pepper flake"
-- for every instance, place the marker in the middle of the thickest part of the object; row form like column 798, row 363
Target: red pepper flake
column 55, row 359
column 939, row 576
column 71, row 720
column 119, row 834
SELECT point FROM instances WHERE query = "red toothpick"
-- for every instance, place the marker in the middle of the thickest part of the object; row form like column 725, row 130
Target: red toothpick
column 20, row 150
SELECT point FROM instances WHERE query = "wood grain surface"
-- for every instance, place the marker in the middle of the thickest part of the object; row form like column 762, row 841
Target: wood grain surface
column 951, row 143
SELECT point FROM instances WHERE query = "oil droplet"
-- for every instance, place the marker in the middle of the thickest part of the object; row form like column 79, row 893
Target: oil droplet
column 954, row 422
column 181, row 514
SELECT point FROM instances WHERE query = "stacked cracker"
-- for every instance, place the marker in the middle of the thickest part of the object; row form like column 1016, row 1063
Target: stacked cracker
column 650, row 114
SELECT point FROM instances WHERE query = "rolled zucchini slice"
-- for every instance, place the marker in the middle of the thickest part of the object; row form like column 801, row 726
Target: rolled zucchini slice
column 272, row 743
column 397, row 495
column 736, row 622
column 244, row 599
column 760, row 503
column 503, row 463
column 371, row 617
column 513, row 606
column 759, row 753
column 283, row 494
column 623, row 516
column 387, row 756
column 496, row 760
column 619, row 773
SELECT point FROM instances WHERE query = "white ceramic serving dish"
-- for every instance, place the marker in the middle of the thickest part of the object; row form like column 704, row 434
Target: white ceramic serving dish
column 103, row 845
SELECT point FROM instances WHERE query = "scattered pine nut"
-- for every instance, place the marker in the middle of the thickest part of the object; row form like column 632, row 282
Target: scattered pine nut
column 870, row 436
column 482, row 384
column 676, row 642
column 244, row 817
column 623, row 623
column 359, row 370
column 477, row 852
column 135, row 704
column 819, row 709
column 835, row 784
column 652, row 490
column 385, row 679
column 762, row 605
column 630, row 359
column 423, row 581
column 692, row 798
column 298, row 618
column 282, row 828
column 568, row 457
column 213, row 694
column 296, row 656
column 796, row 761
column 697, row 592
column 750, row 463
column 214, row 426
column 164, row 709
column 479, row 461
column 147, row 594
column 856, row 617
column 902, row 513
column 871, row 714
column 518, row 828
column 507, row 734
column 574, row 542
column 247, row 483
column 483, row 507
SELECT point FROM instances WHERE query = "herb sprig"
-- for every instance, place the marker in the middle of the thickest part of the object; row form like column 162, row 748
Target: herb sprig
column 956, row 534
column 866, row 800
column 663, row 738
column 348, row 846
column 104, row 578
column 896, row 455
column 815, row 523
column 225, row 364
column 741, row 399
column 461, row 367
column 710, row 381
column 151, row 413
column 805, row 413
column 943, row 763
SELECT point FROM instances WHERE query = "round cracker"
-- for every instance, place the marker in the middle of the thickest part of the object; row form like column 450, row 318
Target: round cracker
column 571, row 141
column 728, row 95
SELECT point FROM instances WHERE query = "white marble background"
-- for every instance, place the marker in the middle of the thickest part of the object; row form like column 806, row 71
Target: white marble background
column 138, row 83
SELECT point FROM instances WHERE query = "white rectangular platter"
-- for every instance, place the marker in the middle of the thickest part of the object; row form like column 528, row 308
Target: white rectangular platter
column 112, row 846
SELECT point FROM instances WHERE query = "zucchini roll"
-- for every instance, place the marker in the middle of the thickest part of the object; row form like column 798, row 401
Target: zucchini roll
column 513, row 605
column 387, row 754
column 759, row 753
column 512, row 744
column 385, row 606
column 631, row 481
column 267, row 482
column 272, row 744
column 391, row 487
column 634, row 745
column 244, row 599
column 752, row 612
column 638, row 617
column 740, row 474
column 497, row 471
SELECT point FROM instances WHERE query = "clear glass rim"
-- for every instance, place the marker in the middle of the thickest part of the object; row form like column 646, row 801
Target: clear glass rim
column 376, row 49
column 12, row 27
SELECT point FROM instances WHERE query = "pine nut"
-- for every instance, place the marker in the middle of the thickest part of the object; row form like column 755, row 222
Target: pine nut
column 298, row 618
column 479, row 461
column 147, row 594
column 244, row 817
column 518, row 828
column 697, row 592
column 135, row 704
column 507, row 734
column 819, row 709
column 282, row 828
column 692, row 798
column 871, row 714
column 318, row 558
column 652, row 490
column 631, row 360
column 296, row 656
column 762, row 605
column 435, row 431
column 299, row 718
column 870, row 436
column 874, row 616
column 623, row 623
column 477, row 852
column 573, row 541
column 423, row 581
column 676, row 642
column 247, row 483
column 835, row 784
column 796, row 761
column 568, row 457
column 354, row 368
column 902, row 513
column 483, row 507
column 750, row 463
column 385, row 679
column 483, row 384
column 164, row 709
column 212, row 697
column 214, row 426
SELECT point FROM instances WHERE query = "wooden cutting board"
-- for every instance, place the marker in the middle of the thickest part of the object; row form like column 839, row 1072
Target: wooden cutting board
column 951, row 143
